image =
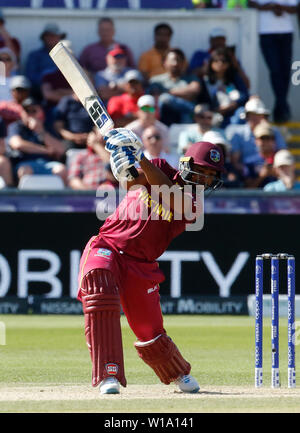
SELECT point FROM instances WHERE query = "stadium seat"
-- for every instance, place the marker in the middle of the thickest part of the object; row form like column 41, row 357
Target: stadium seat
column 175, row 129
column 70, row 154
column 41, row 182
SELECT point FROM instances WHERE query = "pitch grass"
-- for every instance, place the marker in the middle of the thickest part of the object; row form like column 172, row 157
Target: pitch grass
column 48, row 351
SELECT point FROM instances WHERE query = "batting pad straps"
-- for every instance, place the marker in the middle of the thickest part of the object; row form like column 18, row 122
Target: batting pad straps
column 163, row 356
column 100, row 302
column 101, row 306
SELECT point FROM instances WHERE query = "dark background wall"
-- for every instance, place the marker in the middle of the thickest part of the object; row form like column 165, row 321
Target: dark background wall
column 223, row 236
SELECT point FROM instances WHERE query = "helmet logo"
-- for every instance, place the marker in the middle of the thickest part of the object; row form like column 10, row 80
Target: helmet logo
column 215, row 155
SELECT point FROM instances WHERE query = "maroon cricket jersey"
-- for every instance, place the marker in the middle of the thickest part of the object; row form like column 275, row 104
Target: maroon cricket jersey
column 143, row 237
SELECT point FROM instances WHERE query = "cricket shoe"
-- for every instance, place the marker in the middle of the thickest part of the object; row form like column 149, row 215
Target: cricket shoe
column 110, row 385
column 187, row 383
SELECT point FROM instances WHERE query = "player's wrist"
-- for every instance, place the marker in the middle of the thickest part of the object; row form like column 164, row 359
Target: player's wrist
column 139, row 155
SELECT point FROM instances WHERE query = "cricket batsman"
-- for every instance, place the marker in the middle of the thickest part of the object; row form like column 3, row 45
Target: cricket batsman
column 119, row 267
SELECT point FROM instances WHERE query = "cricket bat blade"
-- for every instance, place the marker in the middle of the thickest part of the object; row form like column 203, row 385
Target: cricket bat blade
column 82, row 87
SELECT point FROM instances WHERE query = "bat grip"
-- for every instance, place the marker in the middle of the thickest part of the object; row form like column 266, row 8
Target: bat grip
column 133, row 171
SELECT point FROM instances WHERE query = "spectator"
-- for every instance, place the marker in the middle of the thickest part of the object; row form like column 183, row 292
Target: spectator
column 123, row 108
column 93, row 57
column 223, row 87
column 231, row 178
column 39, row 62
column 87, row 169
column 54, row 86
column 276, row 38
column 110, row 81
column 5, row 165
column 177, row 91
column 6, row 40
column 8, row 57
column 284, row 168
column 203, row 117
column 10, row 111
column 260, row 172
column 241, row 137
column 33, row 149
column 151, row 62
column 153, row 146
column 72, row 123
column 200, row 59
column 146, row 116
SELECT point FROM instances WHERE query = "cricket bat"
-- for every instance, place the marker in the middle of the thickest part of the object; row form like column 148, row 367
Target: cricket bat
column 84, row 89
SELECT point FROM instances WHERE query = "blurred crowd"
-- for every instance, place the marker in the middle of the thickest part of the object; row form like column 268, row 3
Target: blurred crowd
column 168, row 100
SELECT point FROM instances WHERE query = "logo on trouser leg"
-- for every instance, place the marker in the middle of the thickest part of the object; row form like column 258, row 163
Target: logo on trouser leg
column 111, row 369
column 103, row 252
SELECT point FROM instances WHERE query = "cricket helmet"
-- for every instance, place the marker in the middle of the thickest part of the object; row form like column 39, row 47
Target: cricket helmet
column 203, row 154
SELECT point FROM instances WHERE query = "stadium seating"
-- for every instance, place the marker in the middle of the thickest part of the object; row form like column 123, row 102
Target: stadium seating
column 41, row 182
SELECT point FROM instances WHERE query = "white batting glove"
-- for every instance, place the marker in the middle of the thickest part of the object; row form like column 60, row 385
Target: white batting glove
column 121, row 160
column 122, row 137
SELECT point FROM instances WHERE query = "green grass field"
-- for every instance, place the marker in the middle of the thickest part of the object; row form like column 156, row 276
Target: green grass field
column 45, row 367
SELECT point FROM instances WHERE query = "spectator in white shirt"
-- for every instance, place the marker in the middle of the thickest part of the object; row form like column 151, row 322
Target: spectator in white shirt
column 285, row 171
column 276, row 38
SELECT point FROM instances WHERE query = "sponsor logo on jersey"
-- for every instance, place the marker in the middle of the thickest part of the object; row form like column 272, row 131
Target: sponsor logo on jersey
column 156, row 207
column 215, row 155
column 111, row 369
column 102, row 252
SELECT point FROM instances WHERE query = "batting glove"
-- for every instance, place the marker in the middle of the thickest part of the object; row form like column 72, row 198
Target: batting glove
column 122, row 137
column 121, row 159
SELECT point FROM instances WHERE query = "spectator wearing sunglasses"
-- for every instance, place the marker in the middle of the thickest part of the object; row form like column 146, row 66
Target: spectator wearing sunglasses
column 204, row 122
column 147, row 116
column 153, row 146
column 223, row 87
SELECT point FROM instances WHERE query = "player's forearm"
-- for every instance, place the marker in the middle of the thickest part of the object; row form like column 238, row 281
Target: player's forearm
column 153, row 174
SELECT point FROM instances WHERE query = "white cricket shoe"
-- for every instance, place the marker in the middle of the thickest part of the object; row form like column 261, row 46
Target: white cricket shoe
column 187, row 383
column 109, row 385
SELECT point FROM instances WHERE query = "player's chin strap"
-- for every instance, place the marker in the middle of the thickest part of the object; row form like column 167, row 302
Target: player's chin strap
column 186, row 172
